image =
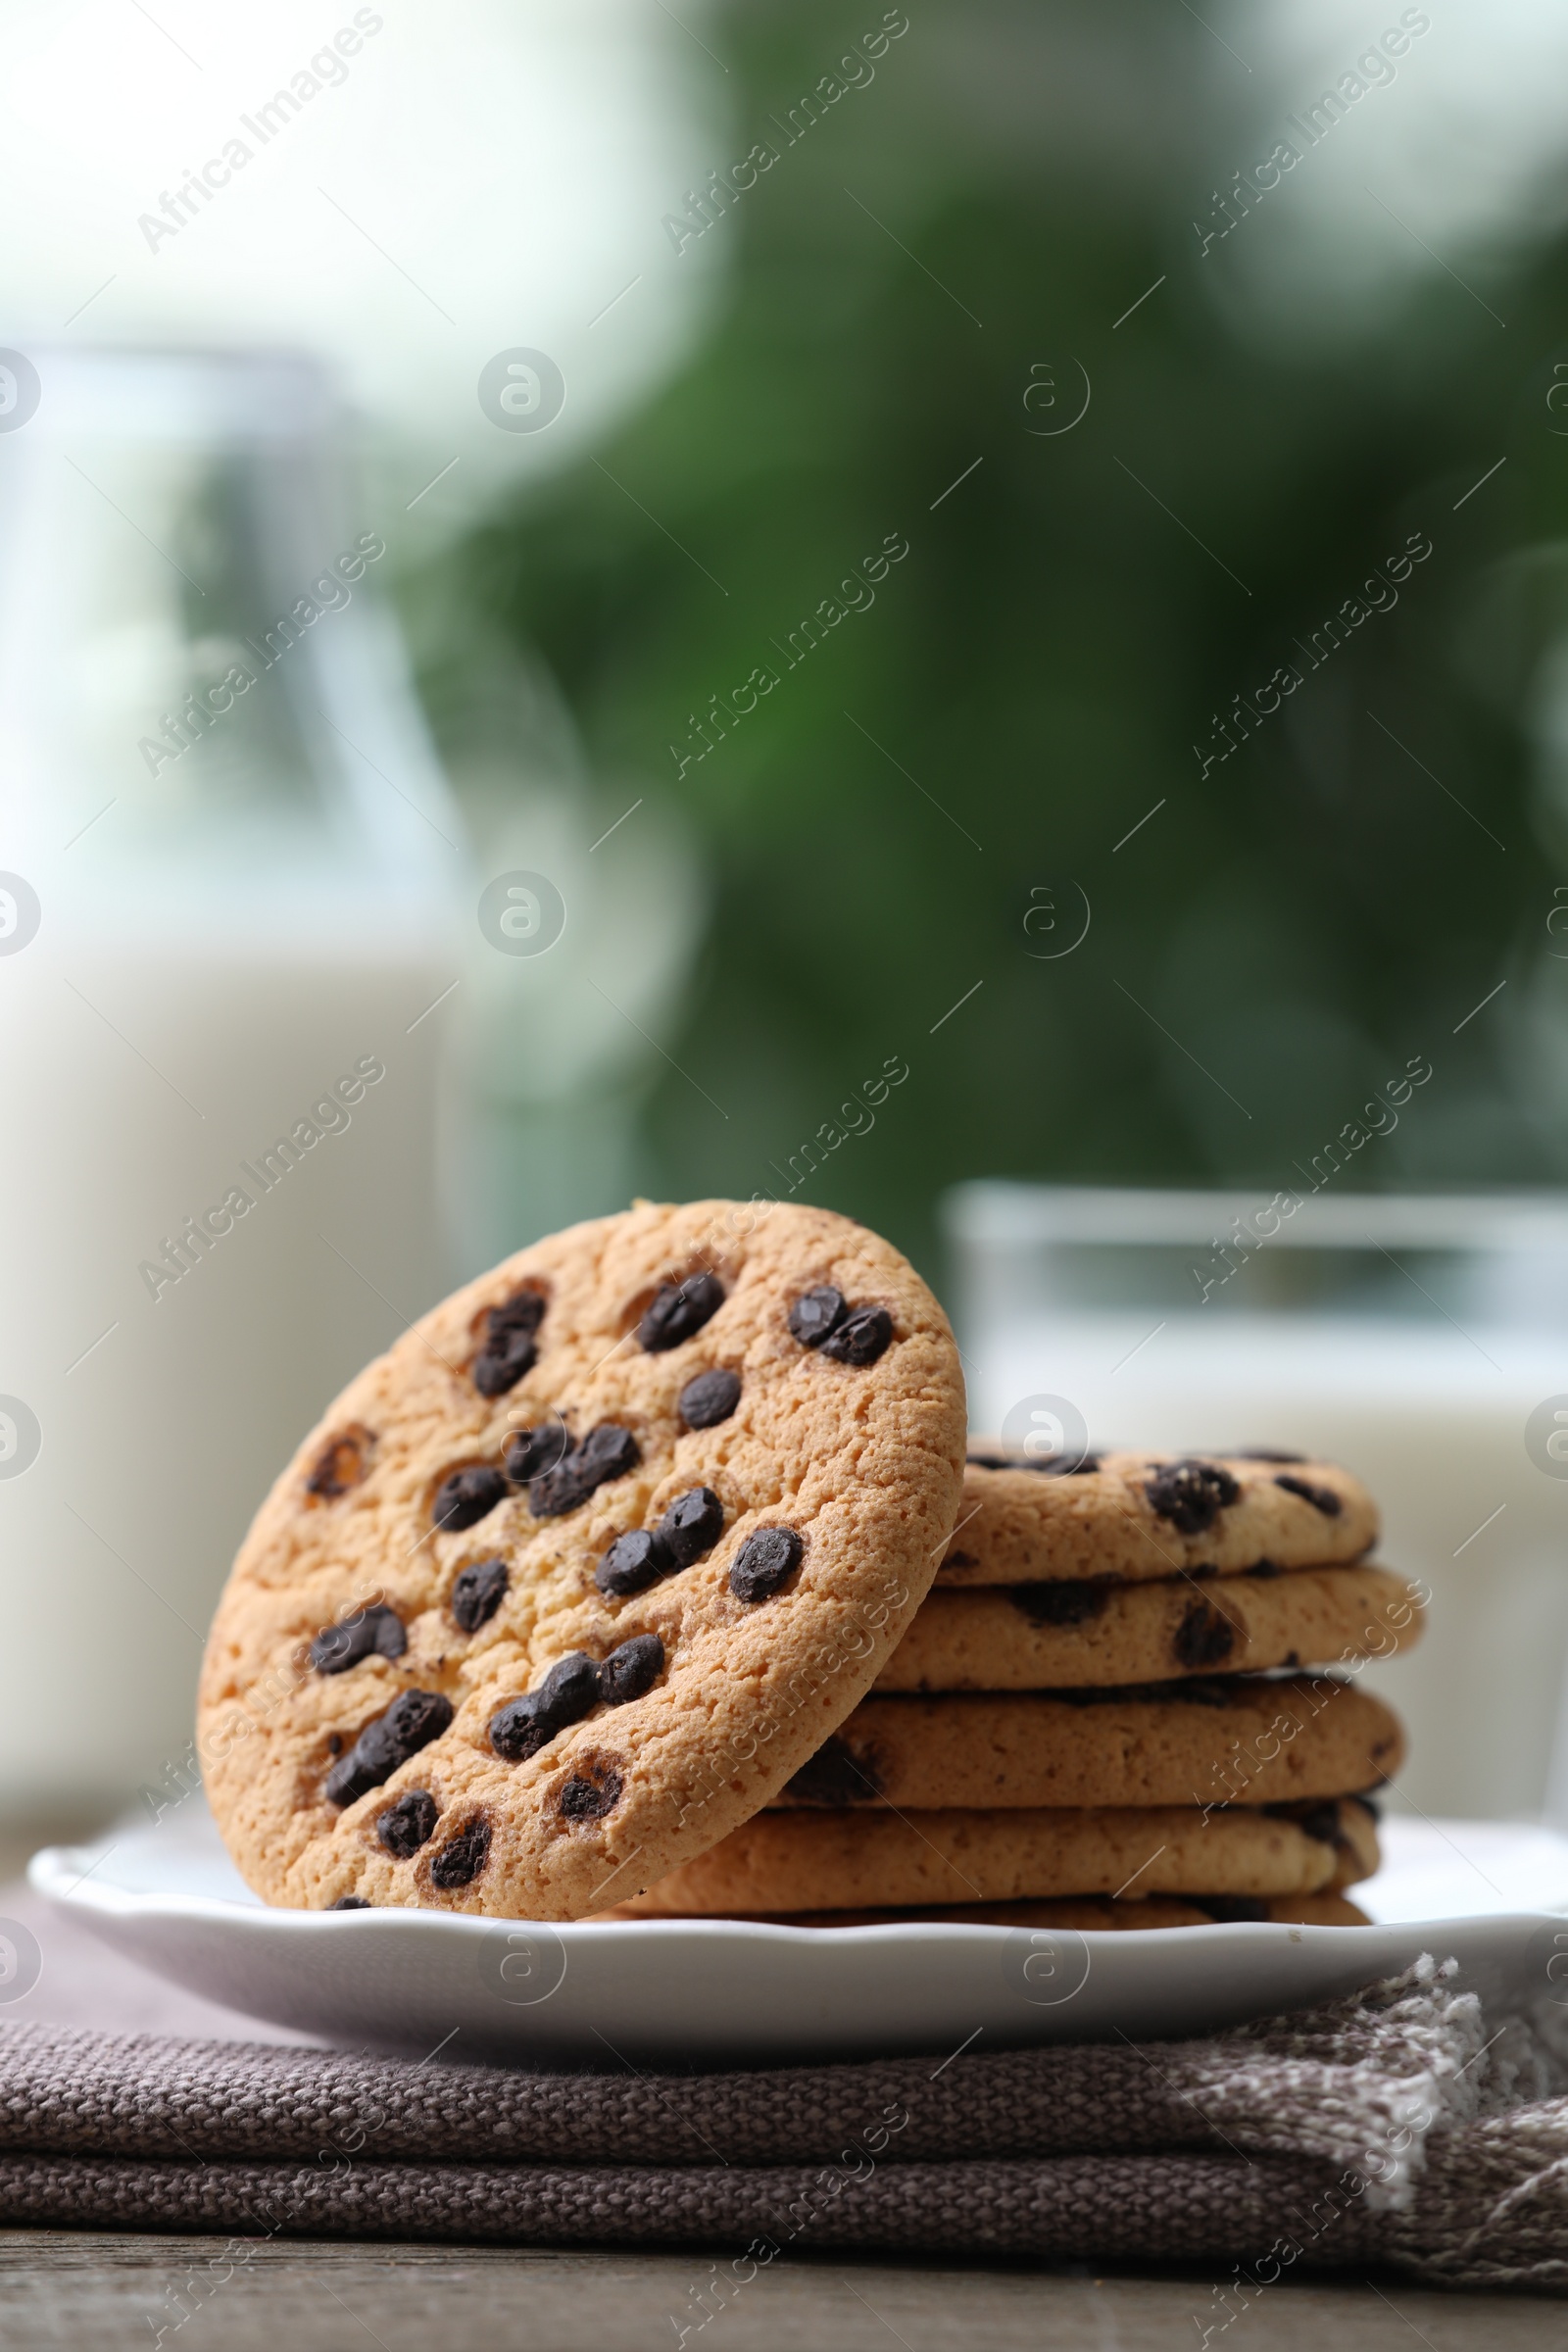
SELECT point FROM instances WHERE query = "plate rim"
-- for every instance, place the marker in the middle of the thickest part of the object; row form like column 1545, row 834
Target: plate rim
column 50, row 1863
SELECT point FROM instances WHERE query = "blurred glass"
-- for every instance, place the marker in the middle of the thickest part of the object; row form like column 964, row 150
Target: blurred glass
column 1067, row 1249
column 234, row 859
column 592, row 905
column 187, row 639
column 1417, row 1338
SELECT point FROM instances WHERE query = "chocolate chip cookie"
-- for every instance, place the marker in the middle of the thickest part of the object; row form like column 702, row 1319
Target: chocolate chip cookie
column 571, row 1579
column 791, row 1862
column 1131, row 1516
column 1234, row 1738
column 1058, row 1634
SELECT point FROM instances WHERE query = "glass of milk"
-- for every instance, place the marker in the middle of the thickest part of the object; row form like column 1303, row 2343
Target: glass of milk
column 227, row 869
column 1420, row 1340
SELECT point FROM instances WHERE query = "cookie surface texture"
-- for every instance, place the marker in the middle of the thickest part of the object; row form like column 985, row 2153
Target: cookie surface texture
column 783, row 1862
column 1061, row 1635
column 1234, row 1739
column 426, row 1606
column 1136, row 1515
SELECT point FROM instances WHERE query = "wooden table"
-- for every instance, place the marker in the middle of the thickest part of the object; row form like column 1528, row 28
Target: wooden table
column 91, row 2290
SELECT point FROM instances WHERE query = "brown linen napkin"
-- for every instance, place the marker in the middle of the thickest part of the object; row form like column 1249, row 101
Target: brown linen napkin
column 1395, row 2126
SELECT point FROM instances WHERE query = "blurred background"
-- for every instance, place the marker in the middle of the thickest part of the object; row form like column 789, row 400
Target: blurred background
column 957, row 612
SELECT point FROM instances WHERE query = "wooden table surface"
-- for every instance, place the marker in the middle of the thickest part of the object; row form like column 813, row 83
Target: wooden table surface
column 60, row 2288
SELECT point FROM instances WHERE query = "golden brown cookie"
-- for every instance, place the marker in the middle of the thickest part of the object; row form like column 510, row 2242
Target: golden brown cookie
column 1226, row 1740
column 1129, row 1516
column 569, row 1582
column 1059, row 1636
column 1315, row 1911
column 1088, row 1913
column 782, row 1862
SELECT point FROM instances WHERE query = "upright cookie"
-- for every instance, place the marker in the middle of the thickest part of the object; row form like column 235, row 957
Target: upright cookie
column 568, row 1583
column 1129, row 1516
column 1227, row 1740
column 1059, row 1636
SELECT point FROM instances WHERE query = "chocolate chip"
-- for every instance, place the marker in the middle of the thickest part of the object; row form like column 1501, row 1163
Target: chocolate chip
column 765, row 1561
column 678, row 1310
column 527, row 1724
column 632, row 1563
column 525, row 1310
column 522, row 1311
column 837, row 1775
column 815, row 1314
column 349, row 1902
column 710, row 1398
column 1262, row 1454
column 558, row 1492
column 467, row 1497
column 861, row 1338
column 569, row 1689
column 961, row 1559
column 1320, row 1822
column 518, row 1732
column 342, row 1463
column 607, row 1451
column 373, row 1632
column 410, row 1723
column 477, row 1594
column 584, row 1799
column 405, row 1826
column 502, row 1360
column 334, row 1744
column 1065, row 1604
column 463, row 1857
column 1264, row 1568
column 533, row 1452
column 1190, row 1494
column 509, row 1351
column 1205, row 1637
column 1322, row 1498
column 631, row 1669
column 692, row 1524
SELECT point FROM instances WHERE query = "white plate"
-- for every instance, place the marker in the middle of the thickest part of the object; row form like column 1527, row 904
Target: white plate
column 703, row 1993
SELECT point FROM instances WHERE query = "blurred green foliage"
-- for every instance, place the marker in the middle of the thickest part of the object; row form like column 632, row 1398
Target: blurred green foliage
column 1294, row 923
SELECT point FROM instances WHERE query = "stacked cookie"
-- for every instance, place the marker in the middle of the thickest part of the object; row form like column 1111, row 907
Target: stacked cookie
column 645, row 1574
column 1099, row 1715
